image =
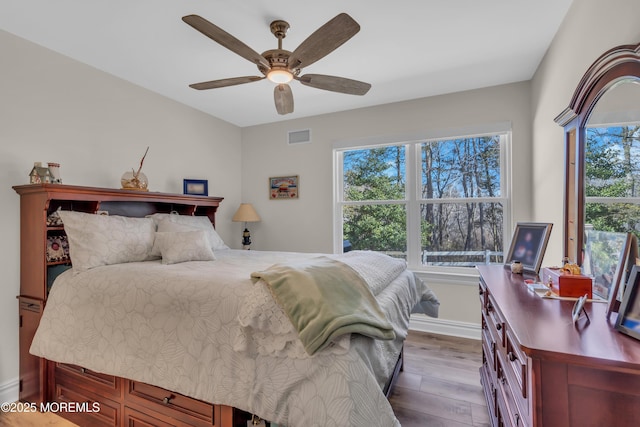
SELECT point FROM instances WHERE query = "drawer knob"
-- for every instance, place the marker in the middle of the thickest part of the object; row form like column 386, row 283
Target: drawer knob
column 167, row 400
column 83, row 370
column 511, row 356
column 489, row 307
column 499, row 326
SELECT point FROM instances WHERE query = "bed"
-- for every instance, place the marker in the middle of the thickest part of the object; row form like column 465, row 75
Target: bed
column 159, row 302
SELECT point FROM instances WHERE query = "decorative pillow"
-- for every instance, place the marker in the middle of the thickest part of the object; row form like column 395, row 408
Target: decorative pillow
column 96, row 240
column 165, row 225
column 198, row 223
column 184, row 246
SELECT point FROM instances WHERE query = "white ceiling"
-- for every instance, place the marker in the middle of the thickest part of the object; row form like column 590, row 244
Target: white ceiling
column 406, row 49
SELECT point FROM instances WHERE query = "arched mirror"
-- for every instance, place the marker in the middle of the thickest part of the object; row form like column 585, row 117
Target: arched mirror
column 602, row 151
column 602, row 171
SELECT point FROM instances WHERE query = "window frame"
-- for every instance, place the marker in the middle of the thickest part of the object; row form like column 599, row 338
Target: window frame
column 413, row 198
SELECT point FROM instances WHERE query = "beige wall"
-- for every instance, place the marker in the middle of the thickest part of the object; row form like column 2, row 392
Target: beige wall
column 306, row 224
column 53, row 109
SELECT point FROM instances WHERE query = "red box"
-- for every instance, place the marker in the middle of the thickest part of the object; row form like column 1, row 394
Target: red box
column 567, row 285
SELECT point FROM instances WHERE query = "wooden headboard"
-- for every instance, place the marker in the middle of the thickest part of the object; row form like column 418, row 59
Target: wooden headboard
column 38, row 201
column 117, row 202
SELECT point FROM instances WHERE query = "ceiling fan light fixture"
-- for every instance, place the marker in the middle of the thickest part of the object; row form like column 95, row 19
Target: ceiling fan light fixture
column 279, row 76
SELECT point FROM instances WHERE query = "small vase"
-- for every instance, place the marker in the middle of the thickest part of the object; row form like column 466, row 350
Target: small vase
column 130, row 182
column 516, row 267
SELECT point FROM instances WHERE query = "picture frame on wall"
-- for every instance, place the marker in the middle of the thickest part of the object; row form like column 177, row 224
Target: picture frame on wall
column 529, row 244
column 284, row 187
column 196, row 187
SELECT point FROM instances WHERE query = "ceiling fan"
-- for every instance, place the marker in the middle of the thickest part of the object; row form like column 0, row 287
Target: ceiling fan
column 281, row 66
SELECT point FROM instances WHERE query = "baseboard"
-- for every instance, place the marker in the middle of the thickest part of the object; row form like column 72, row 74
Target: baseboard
column 445, row 327
column 9, row 391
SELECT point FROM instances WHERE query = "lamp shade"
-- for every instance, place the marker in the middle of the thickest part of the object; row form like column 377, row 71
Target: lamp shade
column 246, row 213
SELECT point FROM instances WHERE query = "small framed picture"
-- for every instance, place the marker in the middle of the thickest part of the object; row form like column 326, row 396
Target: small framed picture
column 57, row 248
column 529, row 244
column 283, row 187
column 628, row 321
column 196, row 187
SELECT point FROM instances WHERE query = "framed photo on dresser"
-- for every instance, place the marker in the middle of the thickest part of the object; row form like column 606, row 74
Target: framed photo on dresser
column 628, row 321
column 529, row 244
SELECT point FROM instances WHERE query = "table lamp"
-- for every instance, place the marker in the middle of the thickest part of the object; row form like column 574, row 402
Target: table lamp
column 246, row 213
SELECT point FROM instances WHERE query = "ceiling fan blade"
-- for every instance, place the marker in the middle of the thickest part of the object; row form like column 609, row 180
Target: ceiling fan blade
column 214, row 84
column 284, row 99
column 220, row 36
column 335, row 84
column 323, row 41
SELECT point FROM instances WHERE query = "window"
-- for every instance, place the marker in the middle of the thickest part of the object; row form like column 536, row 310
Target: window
column 612, row 178
column 439, row 202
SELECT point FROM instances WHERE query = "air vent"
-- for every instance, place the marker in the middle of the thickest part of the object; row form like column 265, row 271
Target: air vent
column 299, row 136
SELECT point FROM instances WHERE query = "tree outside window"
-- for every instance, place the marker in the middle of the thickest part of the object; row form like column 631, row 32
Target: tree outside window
column 612, row 181
column 455, row 206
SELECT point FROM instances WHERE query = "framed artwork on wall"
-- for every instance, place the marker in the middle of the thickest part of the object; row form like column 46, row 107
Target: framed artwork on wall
column 196, row 187
column 528, row 245
column 284, row 187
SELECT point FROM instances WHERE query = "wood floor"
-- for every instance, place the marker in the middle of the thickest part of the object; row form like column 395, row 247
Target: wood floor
column 440, row 384
column 439, row 387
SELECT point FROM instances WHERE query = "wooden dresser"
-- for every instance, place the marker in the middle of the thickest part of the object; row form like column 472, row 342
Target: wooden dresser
column 540, row 370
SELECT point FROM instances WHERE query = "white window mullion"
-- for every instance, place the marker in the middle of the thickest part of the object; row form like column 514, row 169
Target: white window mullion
column 413, row 177
column 338, row 199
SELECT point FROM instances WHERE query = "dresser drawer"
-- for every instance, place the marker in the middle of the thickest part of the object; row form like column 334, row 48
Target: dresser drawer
column 191, row 411
column 133, row 418
column 495, row 322
column 487, row 379
column 515, row 411
column 76, row 376
column 516, row 364
column 488, row 344
column 89, row 409
column 482, row 294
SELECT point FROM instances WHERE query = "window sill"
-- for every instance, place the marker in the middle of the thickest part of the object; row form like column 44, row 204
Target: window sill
column 456, row 277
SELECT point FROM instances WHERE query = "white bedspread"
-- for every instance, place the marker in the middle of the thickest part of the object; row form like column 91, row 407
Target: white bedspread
column 177, row 327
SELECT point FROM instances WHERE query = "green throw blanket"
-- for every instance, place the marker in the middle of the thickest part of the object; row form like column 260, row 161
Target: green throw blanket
column 324, row 299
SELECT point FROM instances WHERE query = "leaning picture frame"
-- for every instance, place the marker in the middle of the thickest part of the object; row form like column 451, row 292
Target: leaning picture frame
column 196, row 187
column 628, row 321
column 622, row 276
column 602, row 256
column 529, row 244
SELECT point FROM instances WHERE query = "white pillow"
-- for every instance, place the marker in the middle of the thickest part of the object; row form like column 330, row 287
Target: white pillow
column 198, row 223
column 96, row 240
column 167, row 226
column 184, row 246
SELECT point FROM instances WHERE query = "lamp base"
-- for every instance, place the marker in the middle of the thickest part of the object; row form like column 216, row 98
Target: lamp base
column 246, row 239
